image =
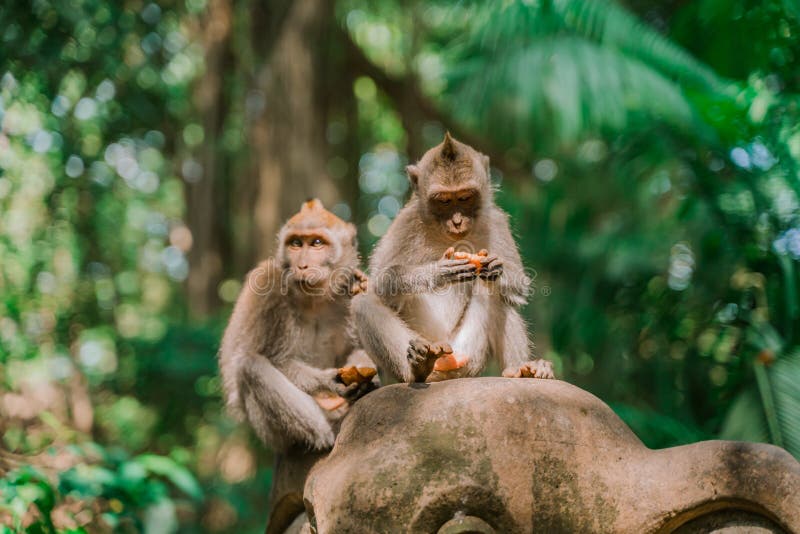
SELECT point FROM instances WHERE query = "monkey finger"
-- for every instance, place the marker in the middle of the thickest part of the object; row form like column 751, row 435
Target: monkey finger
column 439, row 348
column 352, row 392
column 460, row 276
column 486, row 261
column 493, row 274
column 454, row 263
column 448, row 254
column 463, row 268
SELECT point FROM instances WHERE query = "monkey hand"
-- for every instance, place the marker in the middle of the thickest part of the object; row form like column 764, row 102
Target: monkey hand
column 491, row 267
column 538, row 368
column 358, row 283
column 356, row 390
column 422, row 356
column 450, row 269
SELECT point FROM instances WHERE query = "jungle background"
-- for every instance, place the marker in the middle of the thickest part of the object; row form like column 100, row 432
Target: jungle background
column 648, row 153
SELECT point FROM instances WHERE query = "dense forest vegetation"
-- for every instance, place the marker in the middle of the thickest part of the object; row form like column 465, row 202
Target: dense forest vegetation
column 648, row 153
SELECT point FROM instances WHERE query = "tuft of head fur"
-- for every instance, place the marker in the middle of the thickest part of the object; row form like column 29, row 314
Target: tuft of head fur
column 450, row 163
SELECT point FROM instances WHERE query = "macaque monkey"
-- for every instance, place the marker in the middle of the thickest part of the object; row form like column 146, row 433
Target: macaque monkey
column 289, row 362
column 447, row 278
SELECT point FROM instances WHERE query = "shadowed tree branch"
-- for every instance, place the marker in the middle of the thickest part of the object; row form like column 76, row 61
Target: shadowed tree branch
column 411, row 102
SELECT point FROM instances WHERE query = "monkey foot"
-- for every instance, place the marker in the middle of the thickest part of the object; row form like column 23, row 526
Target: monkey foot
column 423, row 354
column 538, row 368
column 450, row 362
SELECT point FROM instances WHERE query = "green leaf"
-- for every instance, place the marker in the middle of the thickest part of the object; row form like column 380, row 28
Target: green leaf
column 745, row 419
column 172, row 471
column 785, row 379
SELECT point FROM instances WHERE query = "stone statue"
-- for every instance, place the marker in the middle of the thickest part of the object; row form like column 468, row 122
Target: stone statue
column 496, row 455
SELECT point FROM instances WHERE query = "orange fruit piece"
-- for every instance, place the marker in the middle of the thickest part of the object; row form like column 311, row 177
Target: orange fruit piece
column 474, row 259
column 450, row 362
column 356, row 375
column 329, row 401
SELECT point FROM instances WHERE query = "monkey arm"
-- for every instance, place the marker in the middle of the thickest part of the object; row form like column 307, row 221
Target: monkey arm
column 514, row 284
column 280, row 413
column 398, row 282
column 305, row 377
column 384, row 335
column 394, row 283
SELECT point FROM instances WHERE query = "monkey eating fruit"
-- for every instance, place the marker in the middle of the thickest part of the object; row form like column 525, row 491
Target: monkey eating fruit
column 430, row 316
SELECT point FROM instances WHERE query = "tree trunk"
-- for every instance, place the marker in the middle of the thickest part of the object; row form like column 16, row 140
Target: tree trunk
column 206, row 190
column 287, row 137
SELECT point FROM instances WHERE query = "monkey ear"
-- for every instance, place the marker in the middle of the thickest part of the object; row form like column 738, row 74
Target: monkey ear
column 413, row 175
column 448, row 151
column 485, row 161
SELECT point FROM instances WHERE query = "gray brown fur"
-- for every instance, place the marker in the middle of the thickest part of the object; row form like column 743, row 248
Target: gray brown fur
column 416, row 293
column 282, row 345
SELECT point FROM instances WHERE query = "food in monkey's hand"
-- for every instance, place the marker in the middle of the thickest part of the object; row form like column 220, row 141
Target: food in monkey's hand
column 356, row 375
column 475, row 259
column 328, row 400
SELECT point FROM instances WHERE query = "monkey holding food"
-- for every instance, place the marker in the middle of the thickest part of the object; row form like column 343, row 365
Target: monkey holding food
column 435, row 310
column 289, row 361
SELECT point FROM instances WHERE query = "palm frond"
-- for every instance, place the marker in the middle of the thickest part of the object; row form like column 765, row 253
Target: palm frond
column 785, row 380
column 562, row 88
column 747, row 419
column 506, row 25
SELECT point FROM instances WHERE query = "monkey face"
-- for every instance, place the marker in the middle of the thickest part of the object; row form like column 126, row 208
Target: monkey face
column 308, row 258
column 454, row 209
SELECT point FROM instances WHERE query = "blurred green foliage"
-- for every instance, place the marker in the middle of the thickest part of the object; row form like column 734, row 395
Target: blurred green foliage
column 648, row 154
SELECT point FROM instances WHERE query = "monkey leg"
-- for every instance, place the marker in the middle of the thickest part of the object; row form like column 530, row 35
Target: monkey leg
column 384, row 335
column 516, row 352
column 425, row 356
column 278, row 411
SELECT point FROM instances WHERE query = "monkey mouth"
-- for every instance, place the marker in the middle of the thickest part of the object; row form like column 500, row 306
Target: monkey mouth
column 310, row 280
column 457, row 232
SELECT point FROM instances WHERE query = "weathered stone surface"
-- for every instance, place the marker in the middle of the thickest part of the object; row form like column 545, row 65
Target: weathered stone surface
column 522, row 455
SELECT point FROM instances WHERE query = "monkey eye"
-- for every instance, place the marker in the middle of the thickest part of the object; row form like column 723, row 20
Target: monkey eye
column 444, row 201
column 317, row 242
column 465, row 198
column 296, row 242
